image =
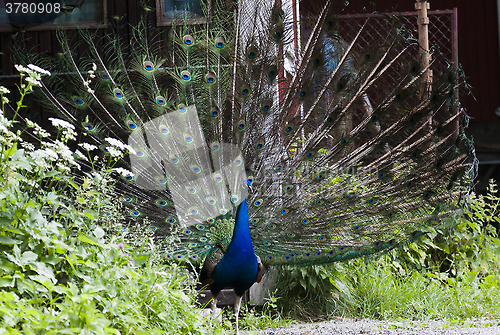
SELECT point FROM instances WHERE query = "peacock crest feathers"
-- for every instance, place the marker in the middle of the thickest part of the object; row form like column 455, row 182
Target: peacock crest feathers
column 346, row 151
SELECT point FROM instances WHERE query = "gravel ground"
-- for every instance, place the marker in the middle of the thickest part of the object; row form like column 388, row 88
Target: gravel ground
column 364, row 327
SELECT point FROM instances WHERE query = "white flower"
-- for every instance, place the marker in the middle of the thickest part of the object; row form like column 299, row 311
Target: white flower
column 50, row 154
column 80, row 155
column 21, row 68
column 124, row 172
column 94, row 66
column 87, row 146
column 39, row 69
column 4, row 90
column 41, row 132
column 5, row 122
column 96, row 176
column 114, row 152
column 130, row 149
column 5, row 100
column 61, row 123
column 68, row 134
column 63, row 168
column 115, row 142
column 28, row 146
column 66, row 154
column 33, row 81
column 38, row 130
column 39, row 157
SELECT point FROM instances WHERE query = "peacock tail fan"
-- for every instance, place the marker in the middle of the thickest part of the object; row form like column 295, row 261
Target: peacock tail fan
column 348, row 150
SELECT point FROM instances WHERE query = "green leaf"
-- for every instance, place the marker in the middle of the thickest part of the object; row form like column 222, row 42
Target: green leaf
column 73, row 185
column 19, row 159
column 141, row 259
column 44, row 270
column 90, row 214
column 52, row 173
column 313, row 281
column 52, row 260
column 7, row 266
column 9, row 152
column 88, row 240
column 5, row 221
column 14, row 230
column 61, row 247
column 7, row 282
column 42, row 280
column 7, row 240
column 28, row 257
column 51, row 197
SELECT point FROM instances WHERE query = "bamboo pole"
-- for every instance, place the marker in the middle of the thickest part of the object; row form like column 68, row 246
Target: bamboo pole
column 423, row 37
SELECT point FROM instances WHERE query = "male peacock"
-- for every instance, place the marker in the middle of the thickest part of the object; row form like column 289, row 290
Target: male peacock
column 325, row 150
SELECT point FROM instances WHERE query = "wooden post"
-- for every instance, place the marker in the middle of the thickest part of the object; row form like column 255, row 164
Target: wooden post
column 454, row 58
column 423, row 37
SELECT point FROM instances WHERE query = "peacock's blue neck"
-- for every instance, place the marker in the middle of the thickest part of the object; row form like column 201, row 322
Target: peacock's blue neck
column 241, row 243
column 238, row 267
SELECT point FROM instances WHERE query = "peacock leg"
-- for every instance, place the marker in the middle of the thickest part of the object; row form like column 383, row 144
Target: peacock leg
column 214, row 304
column 237, row 303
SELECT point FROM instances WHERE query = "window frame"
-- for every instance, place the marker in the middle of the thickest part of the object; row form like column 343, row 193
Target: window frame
column 161, row 21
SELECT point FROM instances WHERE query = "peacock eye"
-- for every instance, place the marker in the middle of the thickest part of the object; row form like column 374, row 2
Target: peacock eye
column 219, row 43
column 188, row 40
column 185, row 75
column 148, row 66
column 210, row 78
column 118, row 93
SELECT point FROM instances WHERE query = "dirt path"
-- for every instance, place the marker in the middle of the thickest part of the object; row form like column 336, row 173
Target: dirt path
column 364, row 327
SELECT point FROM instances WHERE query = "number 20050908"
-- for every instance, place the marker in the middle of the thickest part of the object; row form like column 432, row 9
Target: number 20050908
column 32, row 8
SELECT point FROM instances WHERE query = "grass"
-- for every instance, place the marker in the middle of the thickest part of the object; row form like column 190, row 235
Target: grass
column 374, row 291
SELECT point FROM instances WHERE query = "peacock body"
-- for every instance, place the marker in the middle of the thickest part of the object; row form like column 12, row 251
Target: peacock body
column 244, row 142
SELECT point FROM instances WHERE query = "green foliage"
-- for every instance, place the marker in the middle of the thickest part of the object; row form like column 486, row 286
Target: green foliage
column 267, row 316
column 60, row 272
column 465, row 242
column 452, row 272
column 375, row 290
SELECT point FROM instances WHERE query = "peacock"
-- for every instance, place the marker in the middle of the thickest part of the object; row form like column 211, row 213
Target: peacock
column 256, row 138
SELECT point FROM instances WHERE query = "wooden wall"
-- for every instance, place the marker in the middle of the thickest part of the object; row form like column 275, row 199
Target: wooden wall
column 478, row 48
column 477, row 34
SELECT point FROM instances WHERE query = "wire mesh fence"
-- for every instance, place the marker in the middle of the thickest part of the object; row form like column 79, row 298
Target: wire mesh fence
column 443, row 35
